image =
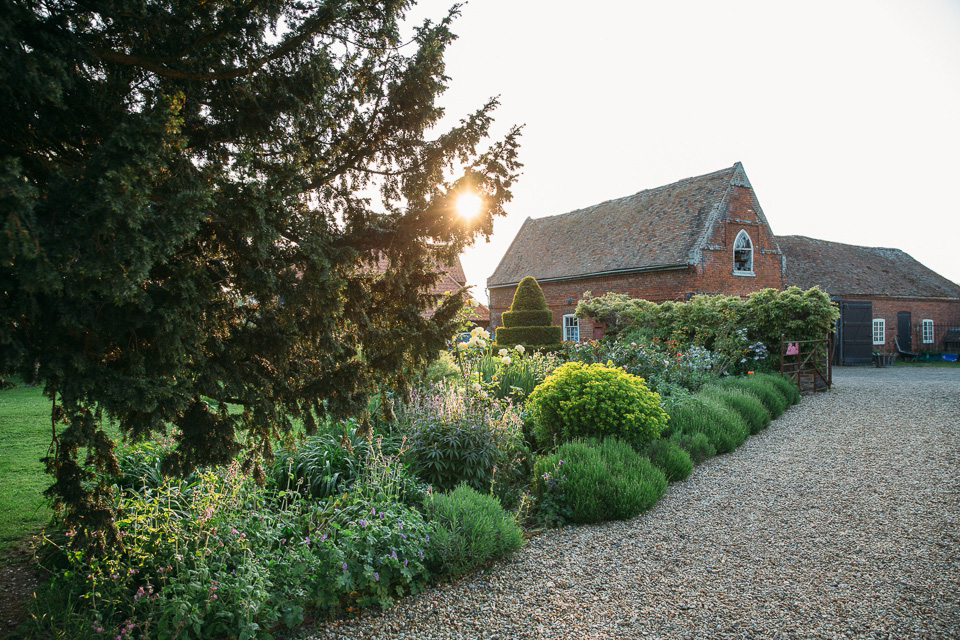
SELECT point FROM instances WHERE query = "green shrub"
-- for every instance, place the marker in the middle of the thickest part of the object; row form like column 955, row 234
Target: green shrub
column 697, row 445
column 515, row 377
column 578, row 400
column 441, row 370
column 789, row 390
column 587, row 481
column 470, row 528
column 528, row 321
column 743, row 402
column 454, row 438
column 324, row 465
column 722, row 426
column 527, row 318
column 670, row 458
column 768, row 394
column 531, row 337
column 378, row 550
column 528, row 296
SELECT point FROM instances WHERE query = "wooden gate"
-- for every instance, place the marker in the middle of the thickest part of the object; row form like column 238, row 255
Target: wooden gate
column 808, row 363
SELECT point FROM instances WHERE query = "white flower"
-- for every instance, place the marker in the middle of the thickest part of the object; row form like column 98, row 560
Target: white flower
column 475, row 331
column 506, row 360
column 462, row 346
column 476, row 386
column 484, row 334
column 481, row 342
column 502, row 352
column 520, row 348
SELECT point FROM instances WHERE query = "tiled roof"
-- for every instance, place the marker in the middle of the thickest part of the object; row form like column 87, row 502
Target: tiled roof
column 656, row 228
column 846, row 269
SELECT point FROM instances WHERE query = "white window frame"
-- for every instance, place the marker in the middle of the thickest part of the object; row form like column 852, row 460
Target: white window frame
column 571, row 324
column 927, row 333
column 879, row 331
column 749, row 248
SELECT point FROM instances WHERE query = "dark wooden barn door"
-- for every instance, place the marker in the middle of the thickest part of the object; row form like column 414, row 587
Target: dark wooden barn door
column 857, row 333
column 903, row 331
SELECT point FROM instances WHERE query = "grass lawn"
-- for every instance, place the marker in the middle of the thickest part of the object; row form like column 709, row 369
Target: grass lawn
column 24, row 439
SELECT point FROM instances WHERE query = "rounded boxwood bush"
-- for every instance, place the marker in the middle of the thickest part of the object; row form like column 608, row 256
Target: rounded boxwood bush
column 667, row 456
column 470, row 529
column 581, row 401
column 768, row 394
column 697, row 445
column 743, row 402
column 591, row 481
column 722, row 426
column 789, row 390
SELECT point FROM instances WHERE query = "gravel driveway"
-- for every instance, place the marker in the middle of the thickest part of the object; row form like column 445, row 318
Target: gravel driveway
column 842, row 519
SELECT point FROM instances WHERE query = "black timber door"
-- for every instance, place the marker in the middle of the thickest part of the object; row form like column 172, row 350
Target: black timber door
column 857, row 332
column 903, row 330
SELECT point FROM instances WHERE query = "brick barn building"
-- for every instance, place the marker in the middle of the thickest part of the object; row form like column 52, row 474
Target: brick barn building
column 702, row 235
column 885, row 296
column 709, row 235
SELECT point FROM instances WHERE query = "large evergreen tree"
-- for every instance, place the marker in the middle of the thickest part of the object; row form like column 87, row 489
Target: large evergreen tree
column 193, row 200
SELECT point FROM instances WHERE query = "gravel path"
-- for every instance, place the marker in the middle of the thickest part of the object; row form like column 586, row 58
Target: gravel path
column 842, row 519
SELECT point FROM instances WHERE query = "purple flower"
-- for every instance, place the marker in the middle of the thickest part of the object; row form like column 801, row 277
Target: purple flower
column 405, row 562
column 323, row 537
column 373, row 511
column 428, row 538
column 363, row 523
column 376, row 576
column 394, row 555
column 307, row 541
column 344, row 566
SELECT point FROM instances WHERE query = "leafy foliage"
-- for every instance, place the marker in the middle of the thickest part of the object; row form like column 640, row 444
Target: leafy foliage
column 723, row 427
column 470, row 528
column 188, row 223
column 663, row 368
column 670, row 458
column 323, row 466
column 789, row 389
column 221, row 557
column 768, row 393
column 455, row 438
column 714, row 322
column 696, row 444
column 590, row 481
column 578, row 400
column 743, row 402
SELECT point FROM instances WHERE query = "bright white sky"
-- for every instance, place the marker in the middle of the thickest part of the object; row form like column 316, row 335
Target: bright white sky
column 845, row 113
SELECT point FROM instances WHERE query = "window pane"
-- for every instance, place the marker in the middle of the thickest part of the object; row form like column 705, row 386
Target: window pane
column 879, row 331
column 571, row 328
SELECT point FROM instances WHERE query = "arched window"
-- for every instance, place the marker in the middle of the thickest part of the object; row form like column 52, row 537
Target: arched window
column 743, row 254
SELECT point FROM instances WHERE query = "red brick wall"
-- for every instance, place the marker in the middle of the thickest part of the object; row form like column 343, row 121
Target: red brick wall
column 944, row 313
column 716, row 275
